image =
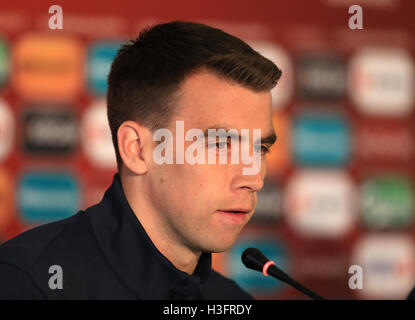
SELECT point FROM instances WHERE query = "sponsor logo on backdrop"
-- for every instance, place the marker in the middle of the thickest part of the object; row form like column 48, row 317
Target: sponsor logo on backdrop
column 6, row 196
column 47, row 67
column 319, row 264
column 7, row 128
column 47, row 196
column 381, row 81
column 96, row 136
column 321, row 139
column 283, row 92
column 387, row 202
column 384, row 142
column 320, row 203
column 100, row 59
column 251, row 280
column 49, row 130
column 269, row 203
column 4, row 62
column 322, row 265
column 388, row 266
column 321, row 77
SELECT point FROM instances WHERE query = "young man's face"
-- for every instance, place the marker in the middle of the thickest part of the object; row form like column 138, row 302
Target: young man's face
column 190, row 199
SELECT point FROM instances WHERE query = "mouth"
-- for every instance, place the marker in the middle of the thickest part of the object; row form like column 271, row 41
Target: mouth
column 235, row 216
column 236, row 210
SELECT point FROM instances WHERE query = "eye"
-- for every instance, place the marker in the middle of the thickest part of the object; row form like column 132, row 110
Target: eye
column 222, row 144
column 262, row 148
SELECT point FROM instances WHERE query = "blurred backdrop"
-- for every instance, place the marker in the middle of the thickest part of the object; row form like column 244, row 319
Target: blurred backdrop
column 340, row 187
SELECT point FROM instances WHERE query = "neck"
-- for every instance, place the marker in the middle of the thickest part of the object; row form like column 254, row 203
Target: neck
column 163, row 238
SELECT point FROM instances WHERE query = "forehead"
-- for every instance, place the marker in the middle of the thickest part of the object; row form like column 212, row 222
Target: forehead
column 207, row 100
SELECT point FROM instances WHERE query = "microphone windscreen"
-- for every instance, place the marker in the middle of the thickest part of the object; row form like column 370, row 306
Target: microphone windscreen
column 252, row 258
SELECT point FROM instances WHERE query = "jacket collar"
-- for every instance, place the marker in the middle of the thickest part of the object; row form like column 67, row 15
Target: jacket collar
column 131, row 254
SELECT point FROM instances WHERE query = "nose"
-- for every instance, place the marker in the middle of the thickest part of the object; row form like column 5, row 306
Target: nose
column 251, row 180
column 252, row 183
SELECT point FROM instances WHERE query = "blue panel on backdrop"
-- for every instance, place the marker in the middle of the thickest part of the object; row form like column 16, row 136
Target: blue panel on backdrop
column 47, row 196
column 321, row 139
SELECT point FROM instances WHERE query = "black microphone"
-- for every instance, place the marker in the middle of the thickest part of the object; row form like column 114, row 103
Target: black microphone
column 254, row 259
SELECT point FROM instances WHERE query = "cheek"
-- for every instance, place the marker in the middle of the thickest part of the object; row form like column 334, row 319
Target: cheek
column 192, row 185
column 180, row 186
column 197, row 177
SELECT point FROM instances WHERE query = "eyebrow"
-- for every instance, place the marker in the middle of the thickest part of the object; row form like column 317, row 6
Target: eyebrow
column 270, row 139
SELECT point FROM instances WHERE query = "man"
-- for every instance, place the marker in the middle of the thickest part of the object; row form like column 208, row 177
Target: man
column 152, row 235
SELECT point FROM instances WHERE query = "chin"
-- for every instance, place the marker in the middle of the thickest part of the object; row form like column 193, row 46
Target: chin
column 220, row 247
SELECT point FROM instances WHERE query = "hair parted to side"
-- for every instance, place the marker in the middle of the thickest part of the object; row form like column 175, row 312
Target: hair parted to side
column 147, row 72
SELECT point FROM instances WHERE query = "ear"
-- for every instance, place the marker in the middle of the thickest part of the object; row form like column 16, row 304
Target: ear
column 135, row 146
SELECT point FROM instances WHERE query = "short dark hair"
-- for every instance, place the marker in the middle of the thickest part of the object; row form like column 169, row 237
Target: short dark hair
column 147, row 72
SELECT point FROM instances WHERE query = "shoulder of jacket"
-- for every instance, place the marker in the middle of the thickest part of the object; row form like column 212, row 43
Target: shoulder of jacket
column 23, row 250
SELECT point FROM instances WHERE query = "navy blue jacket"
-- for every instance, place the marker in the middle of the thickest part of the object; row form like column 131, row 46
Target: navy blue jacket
column 102, row 252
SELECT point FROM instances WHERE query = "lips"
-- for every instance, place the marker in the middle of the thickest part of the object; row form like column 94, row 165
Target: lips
column 236, row 210
column 234, row 216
